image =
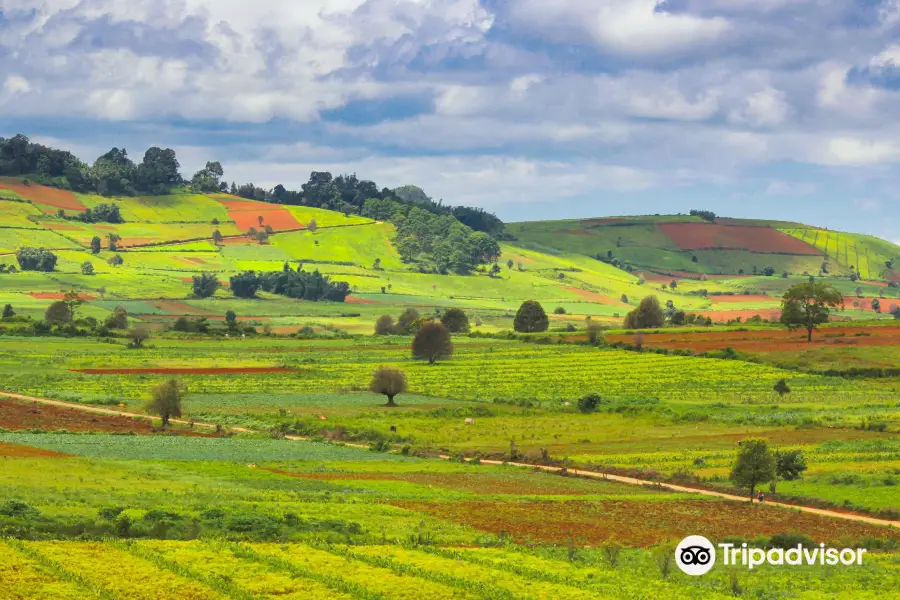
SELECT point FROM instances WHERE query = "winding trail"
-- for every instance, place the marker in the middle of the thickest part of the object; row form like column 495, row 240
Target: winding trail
column 578, row 472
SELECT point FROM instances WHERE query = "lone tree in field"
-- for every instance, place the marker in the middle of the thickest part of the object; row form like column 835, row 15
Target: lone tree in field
column 649, row 314
column 807, row 305
column 118, row 319
column 432, row 342
column 8, row 312
column 455, row 320
column 389, row 382
column 96, row 244
column 531, row 318
column 230, row 319
column 166, row 400
column 58, row 313
column 312, row 225
column 755, row 465
column 205, row 285
column 138, row 336
column 87, row 268
column 217, row 237
column 789, row 466
column 782, row 387
column 384, row 325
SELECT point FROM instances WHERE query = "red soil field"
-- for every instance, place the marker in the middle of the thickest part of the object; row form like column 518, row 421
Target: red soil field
column 58, row 296
column 770, row 341
column 61, row 227
column 639, row 523
column 243, row 205
column 46, row 195
column 698, row 236
column 18, row 451
column 594, row 297
column 278, row 219
column 357, row 300
column 17, row 415
column 187, row 371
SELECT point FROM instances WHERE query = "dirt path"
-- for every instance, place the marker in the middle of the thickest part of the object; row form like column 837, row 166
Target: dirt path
column 578, row 472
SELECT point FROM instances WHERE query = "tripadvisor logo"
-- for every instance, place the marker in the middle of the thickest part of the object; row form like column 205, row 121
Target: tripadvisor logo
column 696, row 555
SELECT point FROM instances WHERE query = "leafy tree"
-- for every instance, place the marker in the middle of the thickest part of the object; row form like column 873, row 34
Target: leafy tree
column 755, row 465
column 789, row 466
column 312, row 226
column 96, row 244
column 8, row 312
column 807, row 305
column 118, row 319
column 230, row 319
column 207, row 178
column 589, row 403
column 706, row 215
column 384, row 325
column 406, row 322
column 648, row 314
column 559, row 310
column 509, row 264
column 139, row 335
column 876, row 305
column 87, row 268
column 859, row 292
column 895, row 310
column 455, row 320
column 102, row 213
column 217, row 237
column 166, row 402
column 782, row 388
column 205, row 285
column 36, row 259
column 115, row 260
column 673, row 284
column 158, row 172
column 432, row 342
column 389, row 382
column 182, row 324
column 114, row 173
column 246, row 284
column 58, row 313
column 769, row 271
column 531, row 318
column 302, row 284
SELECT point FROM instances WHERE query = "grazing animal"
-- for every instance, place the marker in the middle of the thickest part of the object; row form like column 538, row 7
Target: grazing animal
column 470, row 421
column 393, row 429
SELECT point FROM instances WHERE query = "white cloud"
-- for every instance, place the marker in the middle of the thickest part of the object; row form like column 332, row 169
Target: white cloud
column 788, row 188
column 855, row 151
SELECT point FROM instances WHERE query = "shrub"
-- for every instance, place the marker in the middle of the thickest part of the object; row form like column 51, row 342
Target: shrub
column 782, row 387
column 589, row 403
column 384, row 325
column 559, row 310
column 790, row 540
column 87, row 268
column 58, row 313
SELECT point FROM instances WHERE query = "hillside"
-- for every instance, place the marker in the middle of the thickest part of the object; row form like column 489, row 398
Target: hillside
column 598, row 268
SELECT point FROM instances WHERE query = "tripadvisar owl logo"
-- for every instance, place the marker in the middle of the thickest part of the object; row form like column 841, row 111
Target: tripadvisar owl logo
column 695, row 555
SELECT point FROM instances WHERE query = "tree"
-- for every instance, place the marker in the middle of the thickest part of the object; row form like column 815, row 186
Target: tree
column 406, row 322
column 158, row 172
column 789, row 466
column 769, row 271
column 312, row 225
column 432, row 342
column 531, row 318
column 245, row 285
column 648, row 314
column 36, row 259
column 455, row 320
column 859, row 292
column 166, row 400
column 807, row 305
column 205, row 285
column 118, row 319
column 782, row 387
column 876, row 305
column 755, row 465
column 58, row 313
column 384, row 325
column 87, row 268
column 8, row 312
column 389, row 382
column 895, row 310
column 673, row 284
column 217, row 237
column 139, row 335
column 509, row 264
column 588, row 404
column 96, row 244
column 230, row 319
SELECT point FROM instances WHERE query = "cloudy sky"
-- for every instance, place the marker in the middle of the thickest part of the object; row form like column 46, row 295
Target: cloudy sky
column 529, row 108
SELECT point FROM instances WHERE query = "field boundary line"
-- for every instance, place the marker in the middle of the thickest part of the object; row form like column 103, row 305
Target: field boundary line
column 579, row 472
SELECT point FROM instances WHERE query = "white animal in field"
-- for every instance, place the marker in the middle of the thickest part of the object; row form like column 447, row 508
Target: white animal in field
column 470, row 421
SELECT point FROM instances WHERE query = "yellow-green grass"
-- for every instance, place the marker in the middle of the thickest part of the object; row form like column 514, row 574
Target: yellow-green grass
column 16, row 214
column 12, row 240
column 177, row 208
column 324, row 218
column 142, row 234
column 24, row 577
column 867, row 254
column 360, row 245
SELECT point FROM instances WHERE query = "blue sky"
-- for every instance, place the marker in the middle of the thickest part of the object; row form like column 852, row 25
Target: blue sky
column 533, row 109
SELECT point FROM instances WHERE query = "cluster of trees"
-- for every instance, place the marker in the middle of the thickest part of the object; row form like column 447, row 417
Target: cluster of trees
column 757, row 464
column 410, row 321
column 287, row 282
column 102, row 213
column 36, row 259
column 706, row 215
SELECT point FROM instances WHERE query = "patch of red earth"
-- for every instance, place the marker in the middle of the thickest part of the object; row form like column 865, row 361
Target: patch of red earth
column 63, row 199
column 19, row 451
column 594, row 297
column 574, row 232
column 244, row 205
column 277, row 219
column 742, row 298
column 699, row 236
column 58, row 296
column 358, row 300
column 104, row 227
column 639, row 523
column 61, row 227
column 187, row 371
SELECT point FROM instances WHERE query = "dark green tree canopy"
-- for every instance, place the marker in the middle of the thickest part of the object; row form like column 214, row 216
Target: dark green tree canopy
column 648, row 314
column 432, row 342
column 58, row 313
column 807, row 305
column 166, row 400
column 755, row 464
column 245, row 285
column 205, row 285
column 36, row 259
column 303, row 284
column 531, row 318
column 455, row 320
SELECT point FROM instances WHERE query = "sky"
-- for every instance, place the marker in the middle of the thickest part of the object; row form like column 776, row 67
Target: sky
column 532, row 109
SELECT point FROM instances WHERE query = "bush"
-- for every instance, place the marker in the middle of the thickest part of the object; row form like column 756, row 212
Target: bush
column 559, row 310
column 589, row 403
column 384, row 325
column 87, row 268
column 790, row 540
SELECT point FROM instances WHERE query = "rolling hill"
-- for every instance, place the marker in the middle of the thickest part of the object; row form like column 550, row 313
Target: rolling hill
column 597, row 268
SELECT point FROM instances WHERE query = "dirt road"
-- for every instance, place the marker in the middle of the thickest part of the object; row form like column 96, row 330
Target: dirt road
column 578, row 472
